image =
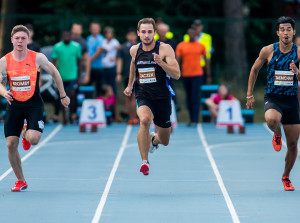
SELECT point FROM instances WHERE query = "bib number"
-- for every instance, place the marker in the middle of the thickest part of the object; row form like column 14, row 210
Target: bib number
column 147, row 75
column 21, row 83
column 284, row 78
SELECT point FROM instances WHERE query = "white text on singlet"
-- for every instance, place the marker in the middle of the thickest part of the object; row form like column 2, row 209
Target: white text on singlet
column 147, row 75
column 283, row 78
column 21, row 83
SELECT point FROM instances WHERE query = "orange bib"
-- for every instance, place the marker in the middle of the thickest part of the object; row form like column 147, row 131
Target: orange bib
column 22, row 76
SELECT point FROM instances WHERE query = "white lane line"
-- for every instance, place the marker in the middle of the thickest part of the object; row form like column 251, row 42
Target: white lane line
column 266, row 126
column 33, row 150
column 111, row 176
column 213, row 164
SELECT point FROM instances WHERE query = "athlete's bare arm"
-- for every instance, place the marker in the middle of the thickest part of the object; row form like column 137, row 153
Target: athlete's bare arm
column 264, row 56
column 133, row 51
column 43, row 62
column 3, row 81
column 166, row 59
column 293, row 66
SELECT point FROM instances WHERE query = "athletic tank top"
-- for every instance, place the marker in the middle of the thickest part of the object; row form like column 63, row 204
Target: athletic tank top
column 23, row 79
column 281, row 81
column 151, row 82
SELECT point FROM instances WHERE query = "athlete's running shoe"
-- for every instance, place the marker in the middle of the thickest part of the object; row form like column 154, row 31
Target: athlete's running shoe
column 20, row 185
column 145, row 167
column 26, row 144
column 287, row 184
column 277, row 142
column 152, row 147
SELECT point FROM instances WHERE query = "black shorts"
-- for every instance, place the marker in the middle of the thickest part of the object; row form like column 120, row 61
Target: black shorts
column 161, row 110
column 14, row 119
column 288, row 106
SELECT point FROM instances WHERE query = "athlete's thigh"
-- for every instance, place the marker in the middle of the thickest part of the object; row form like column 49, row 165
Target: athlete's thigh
column 145, row 109
column 163, row 133
column 292, row 133
column 273, row 114
column 144, row 112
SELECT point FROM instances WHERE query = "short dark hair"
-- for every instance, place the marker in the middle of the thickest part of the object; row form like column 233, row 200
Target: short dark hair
column 146, row 21
column 283, row 20
column 19, row 28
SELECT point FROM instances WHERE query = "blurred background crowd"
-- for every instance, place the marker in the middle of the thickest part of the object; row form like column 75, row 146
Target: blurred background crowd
column 89, row 43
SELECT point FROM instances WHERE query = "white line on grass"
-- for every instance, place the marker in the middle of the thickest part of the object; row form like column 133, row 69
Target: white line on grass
column 213, row 164
column 111, row 176
column 32, row 151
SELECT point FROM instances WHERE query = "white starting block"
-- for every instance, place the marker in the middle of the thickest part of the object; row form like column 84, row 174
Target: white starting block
column 230, row 116
column 92, row 115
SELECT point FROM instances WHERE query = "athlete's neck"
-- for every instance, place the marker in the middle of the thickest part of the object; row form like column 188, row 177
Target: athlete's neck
column 285, row 47
column 20, row 55
column 149, row 47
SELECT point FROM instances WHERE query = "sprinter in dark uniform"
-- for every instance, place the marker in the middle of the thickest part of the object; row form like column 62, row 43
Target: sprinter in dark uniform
column 281, row 102
column 152, row 65
column 22, row 68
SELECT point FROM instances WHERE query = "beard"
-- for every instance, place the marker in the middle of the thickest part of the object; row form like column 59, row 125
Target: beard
column 286, row 43
column 149, row 43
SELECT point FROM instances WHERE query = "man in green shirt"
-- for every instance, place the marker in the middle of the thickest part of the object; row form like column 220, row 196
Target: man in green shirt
column 66, row 57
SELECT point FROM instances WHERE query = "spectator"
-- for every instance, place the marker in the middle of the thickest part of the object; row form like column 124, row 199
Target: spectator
column 76, row 35
column 111, row 46
column 123, row 68
column 206, row 40
column 164, row 35
column 110, row 103
column 66, row 57
column 214, row 101
column 94, row 43
column 32, row 45
column 188, row 55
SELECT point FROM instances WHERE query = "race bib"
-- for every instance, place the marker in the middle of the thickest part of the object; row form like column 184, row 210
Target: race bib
column 20, row 83
column 147, row 75
column 284, row 78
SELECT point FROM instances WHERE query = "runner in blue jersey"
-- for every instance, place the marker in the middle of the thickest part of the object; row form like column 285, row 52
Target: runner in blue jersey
column 151, row 65
column 281, row 102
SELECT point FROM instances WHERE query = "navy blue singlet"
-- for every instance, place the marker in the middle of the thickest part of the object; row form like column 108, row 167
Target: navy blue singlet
column 151, row 82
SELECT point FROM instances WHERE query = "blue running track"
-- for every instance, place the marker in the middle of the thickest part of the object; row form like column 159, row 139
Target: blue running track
column 203, row 175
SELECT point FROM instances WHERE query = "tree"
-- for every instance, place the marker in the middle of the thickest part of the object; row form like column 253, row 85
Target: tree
column 8, row 7
column 235, row 49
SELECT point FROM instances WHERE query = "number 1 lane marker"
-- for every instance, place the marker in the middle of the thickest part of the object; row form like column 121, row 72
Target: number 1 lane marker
column 213, row 164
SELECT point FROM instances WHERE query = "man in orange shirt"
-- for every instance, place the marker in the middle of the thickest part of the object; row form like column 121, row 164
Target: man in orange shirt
column 189, row 55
